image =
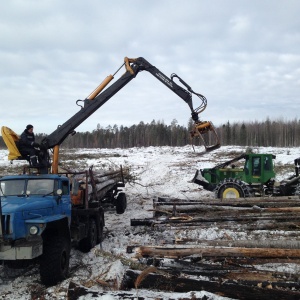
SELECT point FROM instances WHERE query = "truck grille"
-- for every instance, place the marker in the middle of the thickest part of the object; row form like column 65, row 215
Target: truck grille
column 5, row 221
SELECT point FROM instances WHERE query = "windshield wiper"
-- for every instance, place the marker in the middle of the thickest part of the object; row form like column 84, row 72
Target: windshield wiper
column 22, row 195
column 48, row 194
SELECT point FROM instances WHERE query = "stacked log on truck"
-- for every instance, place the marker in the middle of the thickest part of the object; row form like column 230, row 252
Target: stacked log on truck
column 103, row 186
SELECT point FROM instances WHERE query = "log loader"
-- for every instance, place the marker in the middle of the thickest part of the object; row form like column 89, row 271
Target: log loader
column 202, row 129
column 43, row 210
column 256, row 178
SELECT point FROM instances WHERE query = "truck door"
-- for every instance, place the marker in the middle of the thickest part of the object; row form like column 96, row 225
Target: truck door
column 65, row 199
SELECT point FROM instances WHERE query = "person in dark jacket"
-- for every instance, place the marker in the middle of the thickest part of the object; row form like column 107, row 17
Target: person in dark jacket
column 28, row 146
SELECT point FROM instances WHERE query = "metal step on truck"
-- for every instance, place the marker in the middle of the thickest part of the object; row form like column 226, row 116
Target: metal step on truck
column 43, row 214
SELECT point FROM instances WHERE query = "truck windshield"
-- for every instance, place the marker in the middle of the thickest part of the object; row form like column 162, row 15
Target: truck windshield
column 27, row 187
column 40, row 186
column 12, row 187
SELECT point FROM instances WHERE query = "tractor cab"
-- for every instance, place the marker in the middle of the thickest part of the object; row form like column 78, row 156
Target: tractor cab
column 258, row 168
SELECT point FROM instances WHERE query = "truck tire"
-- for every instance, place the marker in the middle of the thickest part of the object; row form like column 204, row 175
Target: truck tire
column 232, row 188
column 86, row 244
column 121, row 203
column 54, row 264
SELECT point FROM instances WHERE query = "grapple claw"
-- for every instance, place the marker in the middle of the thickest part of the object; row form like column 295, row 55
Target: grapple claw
column 206, row 131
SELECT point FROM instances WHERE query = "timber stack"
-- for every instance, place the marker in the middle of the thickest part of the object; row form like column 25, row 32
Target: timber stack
column 96, row 185
column 242, row 248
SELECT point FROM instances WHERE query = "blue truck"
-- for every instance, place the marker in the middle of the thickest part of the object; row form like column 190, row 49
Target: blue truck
column 43, row 214
column 43, row 211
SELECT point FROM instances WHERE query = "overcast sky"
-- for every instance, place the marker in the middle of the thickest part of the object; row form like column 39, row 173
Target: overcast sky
column 244, row 56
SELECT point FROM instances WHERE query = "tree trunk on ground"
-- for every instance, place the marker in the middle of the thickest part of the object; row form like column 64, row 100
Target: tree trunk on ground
column 217, row 252
column 227, row 289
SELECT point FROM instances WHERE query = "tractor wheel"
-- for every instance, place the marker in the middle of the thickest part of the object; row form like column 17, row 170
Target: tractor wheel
column 232, row 188
column 86, row 244
column 54, row 264
column 121, row 203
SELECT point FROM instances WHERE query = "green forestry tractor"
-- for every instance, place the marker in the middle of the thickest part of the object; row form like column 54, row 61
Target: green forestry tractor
column 255, row 179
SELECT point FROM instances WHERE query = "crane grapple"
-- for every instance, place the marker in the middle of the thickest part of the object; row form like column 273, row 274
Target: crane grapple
column 207, row 133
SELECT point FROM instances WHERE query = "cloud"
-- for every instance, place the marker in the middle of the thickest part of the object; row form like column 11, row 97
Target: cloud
column 243, row 56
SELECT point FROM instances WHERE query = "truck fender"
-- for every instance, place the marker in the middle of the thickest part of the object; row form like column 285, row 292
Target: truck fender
column 57, row 227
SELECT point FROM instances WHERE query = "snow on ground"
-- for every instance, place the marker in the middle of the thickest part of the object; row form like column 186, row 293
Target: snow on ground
column 157, row 171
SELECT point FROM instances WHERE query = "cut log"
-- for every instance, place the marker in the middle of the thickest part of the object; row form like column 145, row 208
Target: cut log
column 265, row 291
column 219, row 210
column 241, row 202
column 217, row 252
column 260, row 225
column 283, row 244
column 245, row 203
column 117, row 177
column 228, row 200
column 229, row 269
column 185, row 219
column 77, row 292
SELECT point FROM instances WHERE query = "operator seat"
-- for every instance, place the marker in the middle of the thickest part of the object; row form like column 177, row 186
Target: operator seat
column 11, row 139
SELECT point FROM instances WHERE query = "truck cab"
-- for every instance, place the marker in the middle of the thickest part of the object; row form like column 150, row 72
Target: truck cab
column 28, row 204
column 39, row 220
column 35, row 218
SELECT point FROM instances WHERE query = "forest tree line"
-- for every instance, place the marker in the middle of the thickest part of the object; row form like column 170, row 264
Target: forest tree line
column 277, row 133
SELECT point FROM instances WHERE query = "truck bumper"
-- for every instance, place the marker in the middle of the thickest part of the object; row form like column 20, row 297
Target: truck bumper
column 24, row 250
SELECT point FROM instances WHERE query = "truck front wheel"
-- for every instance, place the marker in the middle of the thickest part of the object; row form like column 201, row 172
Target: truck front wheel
column 54, row 264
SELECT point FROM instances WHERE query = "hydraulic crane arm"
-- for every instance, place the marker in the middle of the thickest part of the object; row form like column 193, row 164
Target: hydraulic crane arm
column 94, row 102
column 100, row 96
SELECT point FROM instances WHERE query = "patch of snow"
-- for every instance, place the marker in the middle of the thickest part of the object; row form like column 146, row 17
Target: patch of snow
column 158, row 172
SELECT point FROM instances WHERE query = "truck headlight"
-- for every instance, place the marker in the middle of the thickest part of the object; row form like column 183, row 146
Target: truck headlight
column 33, row 230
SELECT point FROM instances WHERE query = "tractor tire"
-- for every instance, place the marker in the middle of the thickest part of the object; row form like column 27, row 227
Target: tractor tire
column 232, row 188
column 121, row 203
column 86, row 244
column 54, row 263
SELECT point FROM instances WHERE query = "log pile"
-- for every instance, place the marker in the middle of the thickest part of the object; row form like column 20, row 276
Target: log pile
column 97, row 183
column 250, row 214
column 235, row 268
column 102, row 182
column 238, row 287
